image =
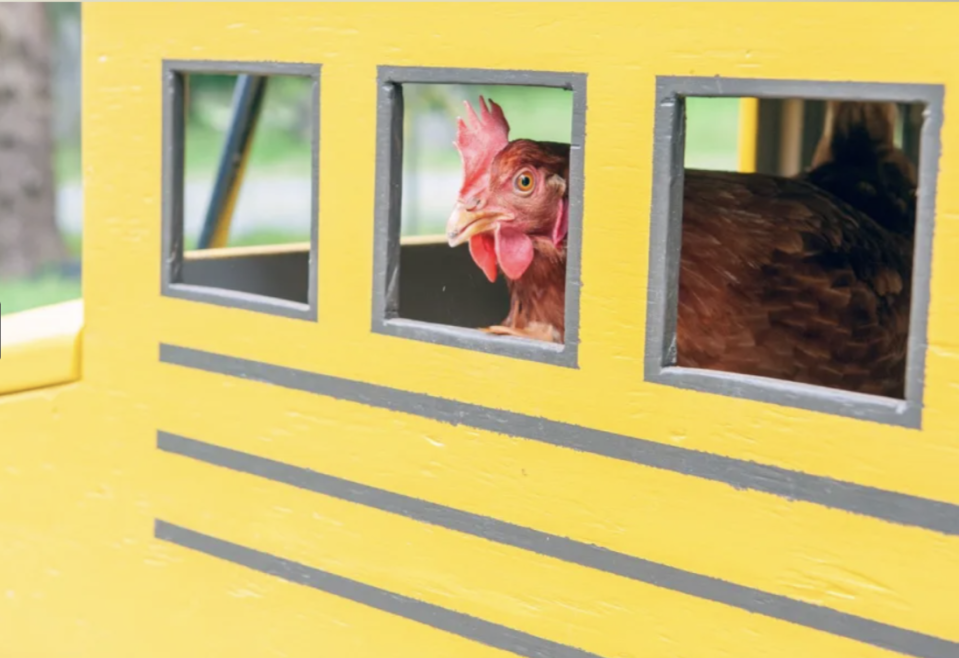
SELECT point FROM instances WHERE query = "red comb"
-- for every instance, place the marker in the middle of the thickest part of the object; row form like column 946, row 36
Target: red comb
column 478, row 143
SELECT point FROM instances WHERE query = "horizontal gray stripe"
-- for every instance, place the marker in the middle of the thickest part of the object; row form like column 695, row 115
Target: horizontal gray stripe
column 457, row 623
column 562, row 548
column 898, row 508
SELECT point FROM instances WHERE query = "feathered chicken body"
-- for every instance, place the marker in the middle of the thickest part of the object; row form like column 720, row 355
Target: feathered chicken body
column 780, row 279
column 804, row 279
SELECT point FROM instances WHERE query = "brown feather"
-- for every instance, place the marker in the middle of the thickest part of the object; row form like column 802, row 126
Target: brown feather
column 780, row 279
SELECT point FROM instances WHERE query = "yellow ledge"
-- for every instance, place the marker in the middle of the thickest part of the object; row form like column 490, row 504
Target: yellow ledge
column 292, row 247
column 255, row 250
column 40, row 347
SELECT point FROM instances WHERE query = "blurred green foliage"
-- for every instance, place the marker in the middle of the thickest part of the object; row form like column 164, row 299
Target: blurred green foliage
column 39, row 290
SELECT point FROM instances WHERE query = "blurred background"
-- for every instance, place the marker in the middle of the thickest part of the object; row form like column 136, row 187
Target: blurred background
column 41, row 194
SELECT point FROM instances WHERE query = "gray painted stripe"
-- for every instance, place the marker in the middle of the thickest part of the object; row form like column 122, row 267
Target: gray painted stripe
column 753, row 600
column 890, row 506
column 457, row 623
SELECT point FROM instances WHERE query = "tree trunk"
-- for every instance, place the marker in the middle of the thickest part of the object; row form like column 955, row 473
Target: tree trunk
column 29, row 237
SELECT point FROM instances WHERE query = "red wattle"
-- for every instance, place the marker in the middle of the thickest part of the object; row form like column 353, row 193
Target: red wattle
column 514, row 250
column 483, row 251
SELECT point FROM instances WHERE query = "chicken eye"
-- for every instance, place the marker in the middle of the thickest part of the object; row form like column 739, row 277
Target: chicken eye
column 523, row 182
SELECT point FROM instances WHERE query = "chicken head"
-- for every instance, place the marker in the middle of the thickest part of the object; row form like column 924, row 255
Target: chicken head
column 513, row 194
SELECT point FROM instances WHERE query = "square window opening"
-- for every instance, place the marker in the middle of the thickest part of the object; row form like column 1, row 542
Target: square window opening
column 475, row 222
column 791, row 265
column 241, row 185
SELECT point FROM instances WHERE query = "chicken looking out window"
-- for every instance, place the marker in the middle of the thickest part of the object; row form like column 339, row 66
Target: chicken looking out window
column 434, row 284
column 513, row 210
column 804, row 279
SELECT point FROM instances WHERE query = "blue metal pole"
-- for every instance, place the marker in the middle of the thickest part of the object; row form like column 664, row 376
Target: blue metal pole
column 247, row 103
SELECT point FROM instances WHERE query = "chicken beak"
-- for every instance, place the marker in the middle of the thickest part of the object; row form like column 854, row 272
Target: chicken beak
column 463, row 224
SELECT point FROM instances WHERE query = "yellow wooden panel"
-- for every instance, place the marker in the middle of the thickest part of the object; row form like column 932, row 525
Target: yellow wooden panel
column 40, row 347
column 900, row 576
column 50, row 551
column 580, row 607
column 772, row 41
column 222, row 609
column 82, row 480
column 80, row 574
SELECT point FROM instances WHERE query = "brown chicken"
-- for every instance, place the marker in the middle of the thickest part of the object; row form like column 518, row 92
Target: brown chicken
column 513, row 210
column 784, row 278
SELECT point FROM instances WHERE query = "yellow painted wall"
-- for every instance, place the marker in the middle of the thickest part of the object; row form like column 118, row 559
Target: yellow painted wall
column 82, row 482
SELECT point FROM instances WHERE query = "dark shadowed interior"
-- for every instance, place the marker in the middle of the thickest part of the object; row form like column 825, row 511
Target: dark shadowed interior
column 438, row 284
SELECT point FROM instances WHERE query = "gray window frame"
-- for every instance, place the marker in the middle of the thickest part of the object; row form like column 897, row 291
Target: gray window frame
column 388, row 208
column 666, row 235
column 173, row 139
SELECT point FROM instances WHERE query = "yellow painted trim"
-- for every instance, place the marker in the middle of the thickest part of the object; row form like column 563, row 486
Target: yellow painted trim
column 292, row 247
column 748, row 129
column 254, row 250
column 40, row 347
column 423, row 239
